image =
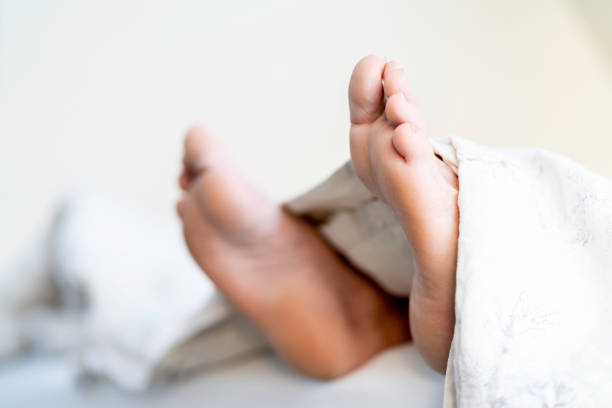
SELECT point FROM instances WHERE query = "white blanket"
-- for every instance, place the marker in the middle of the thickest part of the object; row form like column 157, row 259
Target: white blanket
column 534, row 282
column 119, row 289
column 533, row 323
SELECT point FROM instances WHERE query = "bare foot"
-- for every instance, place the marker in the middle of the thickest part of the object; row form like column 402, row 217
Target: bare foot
column 320, row 314
column 394, row 158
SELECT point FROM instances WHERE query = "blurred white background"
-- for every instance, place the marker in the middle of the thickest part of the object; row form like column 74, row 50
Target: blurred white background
column 99, row 94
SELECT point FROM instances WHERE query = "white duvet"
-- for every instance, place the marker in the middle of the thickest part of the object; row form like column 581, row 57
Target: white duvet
column 534, row 282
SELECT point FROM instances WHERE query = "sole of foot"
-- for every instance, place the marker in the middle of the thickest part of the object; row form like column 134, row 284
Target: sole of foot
column 394, row 158
column 321, row 315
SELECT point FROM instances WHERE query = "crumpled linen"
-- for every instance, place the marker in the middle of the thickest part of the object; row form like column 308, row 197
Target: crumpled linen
column 534, row 282
column 118, row 289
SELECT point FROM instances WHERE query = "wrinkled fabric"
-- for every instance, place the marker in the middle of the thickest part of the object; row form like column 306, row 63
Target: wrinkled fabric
column 534, row 282
column 117, row 288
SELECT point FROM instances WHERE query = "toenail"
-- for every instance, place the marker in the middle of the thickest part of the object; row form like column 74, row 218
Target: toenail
column 394, row 65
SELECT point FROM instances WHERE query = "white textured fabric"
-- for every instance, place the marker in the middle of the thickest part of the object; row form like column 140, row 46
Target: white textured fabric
column 534, row 282
column 119, row 289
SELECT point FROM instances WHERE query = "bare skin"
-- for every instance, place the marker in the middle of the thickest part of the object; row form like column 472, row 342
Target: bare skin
column 393, row 157
column 320, row 314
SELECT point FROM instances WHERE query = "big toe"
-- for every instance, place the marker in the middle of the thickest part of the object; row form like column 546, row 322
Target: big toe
column 366, row 91
column 217, row 193
column 395, row 80
column 201, row 151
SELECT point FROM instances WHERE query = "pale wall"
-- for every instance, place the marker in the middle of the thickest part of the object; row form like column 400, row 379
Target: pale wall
column 99, row 94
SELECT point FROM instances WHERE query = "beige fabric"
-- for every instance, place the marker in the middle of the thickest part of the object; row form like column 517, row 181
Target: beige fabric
column 363, row 228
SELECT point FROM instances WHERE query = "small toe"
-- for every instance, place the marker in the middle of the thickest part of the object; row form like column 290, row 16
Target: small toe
column 366, row 91
column 200, row 149
column 395, row 80
column 411, row 143
column 398, row 110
